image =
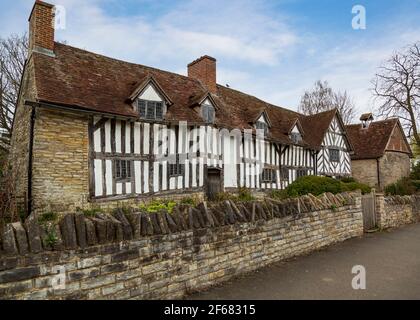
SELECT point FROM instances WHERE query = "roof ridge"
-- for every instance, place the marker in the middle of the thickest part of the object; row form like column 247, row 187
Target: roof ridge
column 132, row 63
column 259, row 99
column 375, row 121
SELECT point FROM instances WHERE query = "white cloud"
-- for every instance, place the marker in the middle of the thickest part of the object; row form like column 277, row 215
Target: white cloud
column 258, row 50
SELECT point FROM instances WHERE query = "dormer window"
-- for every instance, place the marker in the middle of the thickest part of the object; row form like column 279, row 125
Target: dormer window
column 150, row 110
column 207, row 112
column 260, row 125
column 296, row 137
column 150, row 101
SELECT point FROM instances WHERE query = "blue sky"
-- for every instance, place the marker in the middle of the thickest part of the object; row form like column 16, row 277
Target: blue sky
column 272, row 49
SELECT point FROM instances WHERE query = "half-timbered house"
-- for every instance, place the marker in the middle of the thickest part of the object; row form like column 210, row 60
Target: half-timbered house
column 89, row 128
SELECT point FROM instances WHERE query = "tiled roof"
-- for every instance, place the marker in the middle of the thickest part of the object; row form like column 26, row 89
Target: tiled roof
column 371, row 142
column 80, row 79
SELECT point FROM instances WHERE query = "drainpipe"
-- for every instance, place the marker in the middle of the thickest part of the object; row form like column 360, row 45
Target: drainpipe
column 378, row 174
column 31, row 146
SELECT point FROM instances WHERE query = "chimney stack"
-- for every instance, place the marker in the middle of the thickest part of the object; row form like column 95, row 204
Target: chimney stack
column 204, row 69
column 41, row 28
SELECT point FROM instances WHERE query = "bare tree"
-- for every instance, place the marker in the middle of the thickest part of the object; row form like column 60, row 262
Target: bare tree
column 397, row 89
column 322, row 98
column 13, row 52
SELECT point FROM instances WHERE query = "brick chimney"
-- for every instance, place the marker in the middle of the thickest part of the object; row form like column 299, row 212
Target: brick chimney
column 204, row 69
column 41, row 28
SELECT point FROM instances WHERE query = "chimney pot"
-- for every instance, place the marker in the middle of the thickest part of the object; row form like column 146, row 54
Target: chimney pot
column 204, row 70
column 41, row 28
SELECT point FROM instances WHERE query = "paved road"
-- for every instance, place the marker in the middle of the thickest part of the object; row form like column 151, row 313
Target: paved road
column 391, row 259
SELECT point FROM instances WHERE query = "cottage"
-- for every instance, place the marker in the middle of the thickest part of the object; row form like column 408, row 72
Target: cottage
column 381, row 151
column 92, row 129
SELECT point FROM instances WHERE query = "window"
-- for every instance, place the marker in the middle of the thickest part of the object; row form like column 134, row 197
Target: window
column 150, row 110
column 284, row 173
column 175, row 169
column 262, row 126
column 268, row 175
column 296, row 137
column 334, row 155
column 122, row 169
column 207, row 112
column 301, row 173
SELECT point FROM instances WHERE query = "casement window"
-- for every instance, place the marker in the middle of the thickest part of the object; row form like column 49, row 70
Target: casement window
column 296, row 137
column 207, row 112
column 259, row 125
column 284, row 173
column 175, row 169
column 301, row 173
column 268, row 175
column 150, row 110
column 334, row 155
column 122, row 169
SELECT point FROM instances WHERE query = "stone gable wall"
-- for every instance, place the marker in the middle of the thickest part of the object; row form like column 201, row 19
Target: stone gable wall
column 60, row 161
column 141, row 256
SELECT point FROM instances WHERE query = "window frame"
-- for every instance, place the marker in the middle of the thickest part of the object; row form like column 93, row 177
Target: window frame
column 335, row 158
column 119, row 170
column 302, row 172
column 150, row 105
column 205, row 108
column 263, row 124
column 283, row 171
column 176, row 169
column 296, row 137
column 272, row 176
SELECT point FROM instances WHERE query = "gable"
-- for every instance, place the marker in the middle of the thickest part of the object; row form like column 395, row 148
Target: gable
column 150, row 93
column 208, row 102
column 296, row 129
column 397, row 141
column 336, row 135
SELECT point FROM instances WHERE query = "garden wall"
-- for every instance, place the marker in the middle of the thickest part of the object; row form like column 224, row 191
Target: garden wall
column 394, row 211
column 166, row 256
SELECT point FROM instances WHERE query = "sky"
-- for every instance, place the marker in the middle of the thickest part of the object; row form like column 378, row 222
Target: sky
column 274, row 50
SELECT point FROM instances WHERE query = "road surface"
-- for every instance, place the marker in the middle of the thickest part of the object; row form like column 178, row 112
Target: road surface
column 391, row 260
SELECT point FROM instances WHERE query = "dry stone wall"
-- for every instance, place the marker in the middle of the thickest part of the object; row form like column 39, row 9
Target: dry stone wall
column 141, row 255
column 395, row 211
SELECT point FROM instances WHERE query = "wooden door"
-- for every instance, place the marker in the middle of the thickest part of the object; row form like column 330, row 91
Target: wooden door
column 369, row 212
column 214, row 185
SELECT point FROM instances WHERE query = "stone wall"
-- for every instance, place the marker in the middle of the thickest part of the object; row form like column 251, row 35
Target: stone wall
column 19, row 144
column 60, row 161
column 148, row 256
column 393, row 166
column 365, row 171
column 396, row 210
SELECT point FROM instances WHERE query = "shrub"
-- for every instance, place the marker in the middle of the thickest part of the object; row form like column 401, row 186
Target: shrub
column 91, row 212
column 348, row 179
column 192, row 201
column 278, row 194
column 318, row 185
column 158, row 205
column 313, row 184
column 404, row 186
column 352, row 186
column 244, row 194
column 222, row 196
column 415, row 171
column 47, row 217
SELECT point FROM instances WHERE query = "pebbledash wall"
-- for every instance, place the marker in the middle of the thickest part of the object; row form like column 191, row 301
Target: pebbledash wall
column 167, row 260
